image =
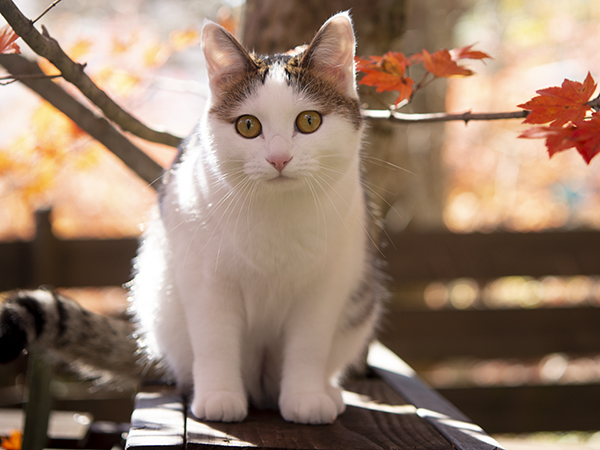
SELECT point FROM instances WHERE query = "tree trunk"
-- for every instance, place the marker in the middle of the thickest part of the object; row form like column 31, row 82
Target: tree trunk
column 273, row 26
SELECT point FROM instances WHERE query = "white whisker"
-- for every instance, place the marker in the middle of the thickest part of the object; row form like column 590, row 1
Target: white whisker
column 360, row 220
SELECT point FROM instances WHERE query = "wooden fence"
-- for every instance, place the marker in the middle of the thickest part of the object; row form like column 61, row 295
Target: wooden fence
column 417, row 336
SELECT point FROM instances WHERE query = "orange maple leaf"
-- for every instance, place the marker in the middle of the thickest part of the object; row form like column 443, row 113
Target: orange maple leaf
column 12, row 442
column 387, row 73
column 587, row 137
column 467, row 53
column 557, row 138
column 441, row 64
column 7, row 41
column 559, row 105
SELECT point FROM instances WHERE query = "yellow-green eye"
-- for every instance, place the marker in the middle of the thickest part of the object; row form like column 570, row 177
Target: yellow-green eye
column 248, row 126
column 308, row 121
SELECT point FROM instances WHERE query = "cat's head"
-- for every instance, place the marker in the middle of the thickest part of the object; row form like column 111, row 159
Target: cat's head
column 285, row 117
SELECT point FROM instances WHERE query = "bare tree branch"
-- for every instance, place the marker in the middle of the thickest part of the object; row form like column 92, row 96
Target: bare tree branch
column 439, row 117
column 466, row 117
column 49, row 48
column 30, row 74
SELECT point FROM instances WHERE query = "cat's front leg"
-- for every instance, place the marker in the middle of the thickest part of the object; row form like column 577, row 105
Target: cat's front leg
column 215, row 328
column 306, row 393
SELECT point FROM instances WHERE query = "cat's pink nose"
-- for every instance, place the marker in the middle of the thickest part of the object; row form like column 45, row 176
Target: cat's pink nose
column 279, row 160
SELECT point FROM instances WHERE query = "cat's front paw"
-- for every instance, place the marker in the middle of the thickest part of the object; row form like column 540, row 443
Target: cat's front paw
column 220, row 406
column 311, row 407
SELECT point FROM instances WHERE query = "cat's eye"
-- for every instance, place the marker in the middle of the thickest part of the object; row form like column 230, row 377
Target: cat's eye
column 248, row 126
column 308, row 121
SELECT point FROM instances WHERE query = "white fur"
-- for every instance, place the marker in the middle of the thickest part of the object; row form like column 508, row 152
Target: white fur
column 244, row 274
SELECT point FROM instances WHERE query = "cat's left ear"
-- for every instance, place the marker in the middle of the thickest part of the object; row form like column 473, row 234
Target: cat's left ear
column 332, row 51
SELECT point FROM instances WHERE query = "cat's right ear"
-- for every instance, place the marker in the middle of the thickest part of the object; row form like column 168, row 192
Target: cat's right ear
column 225, row 57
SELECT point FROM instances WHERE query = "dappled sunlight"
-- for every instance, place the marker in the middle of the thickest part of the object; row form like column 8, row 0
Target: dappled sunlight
column 383, row 358
column 513, row 292
column 205, row 432
column 364, row 401
column 443, row 420
column 424, row 402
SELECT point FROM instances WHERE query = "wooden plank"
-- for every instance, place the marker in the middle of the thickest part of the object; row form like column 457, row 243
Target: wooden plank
column 158, row 421
column 376, row 417
column 462, row 433
column 430, row 256
column 104, row 262
column 424, row 335
column 410, row 257
column 15, row 265
column 524, row 409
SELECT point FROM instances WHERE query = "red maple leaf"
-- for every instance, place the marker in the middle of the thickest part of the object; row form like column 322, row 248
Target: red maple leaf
column 560, row 105
column 441, row 64
column 557, row 138
column 587, row 137
column 7, row 41
column 387, row 73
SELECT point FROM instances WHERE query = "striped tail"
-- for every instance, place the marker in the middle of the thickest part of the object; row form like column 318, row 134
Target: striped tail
column 46, row 320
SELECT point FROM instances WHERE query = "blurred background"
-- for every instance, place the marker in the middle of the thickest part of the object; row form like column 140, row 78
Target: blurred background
column 429, row 179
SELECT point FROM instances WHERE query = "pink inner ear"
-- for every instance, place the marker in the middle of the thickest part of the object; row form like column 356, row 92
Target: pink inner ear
column 224, row 55
column 334, row 51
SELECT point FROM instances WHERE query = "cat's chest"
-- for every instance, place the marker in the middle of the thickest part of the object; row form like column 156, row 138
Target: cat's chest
column 270, row 237
column 290, row 237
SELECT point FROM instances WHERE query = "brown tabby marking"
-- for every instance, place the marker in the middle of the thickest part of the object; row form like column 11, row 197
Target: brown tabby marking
column 322, row 88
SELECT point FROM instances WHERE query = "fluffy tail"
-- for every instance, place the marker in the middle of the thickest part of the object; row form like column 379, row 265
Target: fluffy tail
column 42, row 319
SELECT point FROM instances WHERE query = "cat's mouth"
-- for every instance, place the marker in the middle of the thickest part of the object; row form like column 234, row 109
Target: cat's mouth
column 281, row 178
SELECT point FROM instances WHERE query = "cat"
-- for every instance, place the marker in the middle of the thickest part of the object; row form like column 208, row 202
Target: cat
column 255, row 281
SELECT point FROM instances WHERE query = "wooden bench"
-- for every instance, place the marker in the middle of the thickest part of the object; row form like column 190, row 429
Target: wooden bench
column 389, row 409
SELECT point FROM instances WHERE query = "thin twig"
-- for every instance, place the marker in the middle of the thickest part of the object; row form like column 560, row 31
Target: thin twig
column 440, row 117
column 595, row 104
column 46, row 11
column 45, row 46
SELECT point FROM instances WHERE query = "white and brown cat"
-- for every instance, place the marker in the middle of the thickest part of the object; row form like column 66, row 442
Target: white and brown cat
column 255, row 280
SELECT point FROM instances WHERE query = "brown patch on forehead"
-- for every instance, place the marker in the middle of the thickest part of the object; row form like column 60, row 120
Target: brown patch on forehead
column 323, row 89
column 320, row 88
column 236, row 89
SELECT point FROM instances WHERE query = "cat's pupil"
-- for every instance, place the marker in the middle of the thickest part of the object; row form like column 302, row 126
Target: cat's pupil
column 248, row 124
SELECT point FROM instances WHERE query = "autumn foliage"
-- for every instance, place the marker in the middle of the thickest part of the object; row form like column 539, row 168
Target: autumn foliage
column 567, row 110
column 7, row 41
column 390, row 71
column 13, row 442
